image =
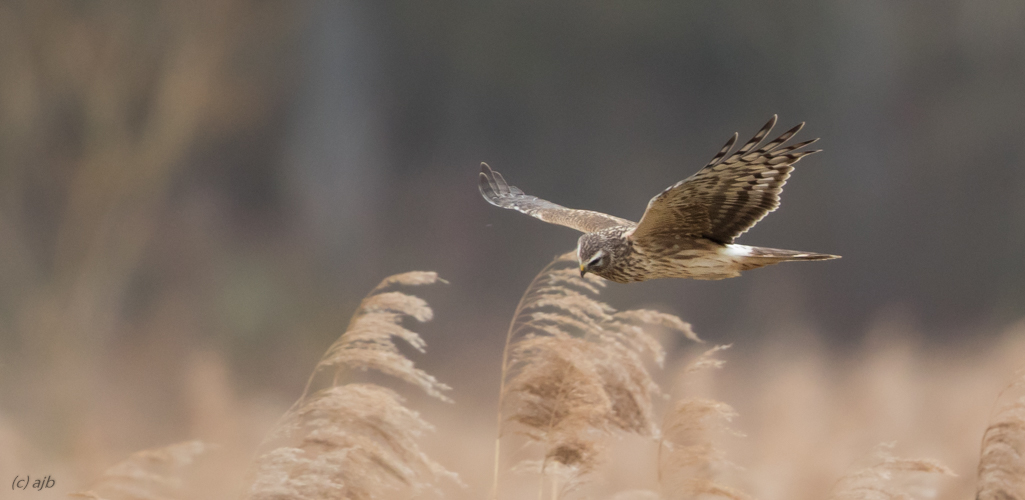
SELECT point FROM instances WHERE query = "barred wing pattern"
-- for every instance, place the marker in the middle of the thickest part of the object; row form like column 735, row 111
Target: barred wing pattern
column 501, row 194
column 728, row 196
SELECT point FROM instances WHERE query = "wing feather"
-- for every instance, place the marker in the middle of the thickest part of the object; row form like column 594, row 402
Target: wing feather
column 498, row 192
column 728, row 196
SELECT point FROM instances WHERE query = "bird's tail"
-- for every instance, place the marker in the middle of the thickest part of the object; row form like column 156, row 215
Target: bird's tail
column 754, row 257
column 777, row 255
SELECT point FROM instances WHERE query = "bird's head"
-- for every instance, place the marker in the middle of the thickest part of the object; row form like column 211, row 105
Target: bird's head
column 592, row 255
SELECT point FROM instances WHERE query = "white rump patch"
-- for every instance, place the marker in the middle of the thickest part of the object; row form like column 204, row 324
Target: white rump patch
column 737, row 250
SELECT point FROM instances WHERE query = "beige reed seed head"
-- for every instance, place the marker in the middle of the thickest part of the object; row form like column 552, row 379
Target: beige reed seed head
column 1001, row 474
column 368, row 343
column 888, row 478
column 358, row 441
column 148, row 474
column 690, row 453
column 576, row 370
column 353, row 441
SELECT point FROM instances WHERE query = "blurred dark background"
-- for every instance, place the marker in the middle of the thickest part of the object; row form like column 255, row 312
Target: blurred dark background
column 231, row 177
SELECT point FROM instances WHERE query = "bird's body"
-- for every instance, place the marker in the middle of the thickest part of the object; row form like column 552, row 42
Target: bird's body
column 678, row 256
column 687, row 231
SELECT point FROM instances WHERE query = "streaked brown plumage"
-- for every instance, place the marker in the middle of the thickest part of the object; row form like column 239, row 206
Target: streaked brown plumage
column 687, row 231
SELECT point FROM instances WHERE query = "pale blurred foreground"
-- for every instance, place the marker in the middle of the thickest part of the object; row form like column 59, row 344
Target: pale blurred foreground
column 810, row 426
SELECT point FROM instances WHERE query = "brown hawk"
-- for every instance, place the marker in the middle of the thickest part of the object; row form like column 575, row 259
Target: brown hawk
column 687, row 231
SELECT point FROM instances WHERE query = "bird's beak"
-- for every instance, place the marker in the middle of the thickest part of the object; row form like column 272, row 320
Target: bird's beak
column 583, row 270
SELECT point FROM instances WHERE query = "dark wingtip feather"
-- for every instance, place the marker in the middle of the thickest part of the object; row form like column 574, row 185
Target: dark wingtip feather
column 777, row 152
column 779, row 141
column 790, row 133
column 758, row 138
column 724, row 151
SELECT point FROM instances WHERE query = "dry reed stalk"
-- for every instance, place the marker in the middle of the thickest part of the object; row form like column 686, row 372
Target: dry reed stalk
column 886, row 479
column 156, row 473
column 689, row 459
column 1001, row 470
column 576, row 369
column 357, row 441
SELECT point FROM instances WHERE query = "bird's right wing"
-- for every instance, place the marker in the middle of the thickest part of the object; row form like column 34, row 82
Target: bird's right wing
column 500, row 194
column 729, row 195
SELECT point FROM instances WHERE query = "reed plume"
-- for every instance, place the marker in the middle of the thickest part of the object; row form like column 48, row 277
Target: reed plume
column 689, row 458
column 886, row 479
column 357, row 440
column 367, row 342
column 573, row 372
column 158, row 473
column 1001, row 463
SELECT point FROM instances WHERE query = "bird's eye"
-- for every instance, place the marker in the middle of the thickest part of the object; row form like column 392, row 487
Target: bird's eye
column 597, row 261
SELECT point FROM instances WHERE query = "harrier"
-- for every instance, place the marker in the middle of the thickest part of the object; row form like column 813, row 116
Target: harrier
column 687, row 231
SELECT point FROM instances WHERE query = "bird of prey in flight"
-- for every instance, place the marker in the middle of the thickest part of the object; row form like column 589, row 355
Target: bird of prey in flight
column 687, row 230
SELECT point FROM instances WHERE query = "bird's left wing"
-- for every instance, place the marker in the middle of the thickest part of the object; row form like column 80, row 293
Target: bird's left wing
column 499, row 193
column 729, row 195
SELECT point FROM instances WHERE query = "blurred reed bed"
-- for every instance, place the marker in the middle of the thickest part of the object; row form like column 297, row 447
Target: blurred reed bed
column 811, row 417
column 345, row 439
column 106, row 110
column 576, row 383
column 689, row 456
